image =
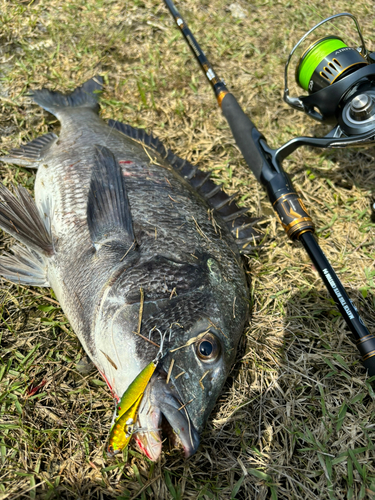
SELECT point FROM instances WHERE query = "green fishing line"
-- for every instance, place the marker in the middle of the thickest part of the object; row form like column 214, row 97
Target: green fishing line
column 314, row 57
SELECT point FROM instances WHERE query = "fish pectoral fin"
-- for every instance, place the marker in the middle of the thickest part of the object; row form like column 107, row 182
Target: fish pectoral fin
column 20, row 217
column 108, row 209
column 31, row 154
column 24, row 266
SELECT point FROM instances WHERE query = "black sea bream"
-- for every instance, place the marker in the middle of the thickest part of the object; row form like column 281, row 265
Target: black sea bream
column 122, row 229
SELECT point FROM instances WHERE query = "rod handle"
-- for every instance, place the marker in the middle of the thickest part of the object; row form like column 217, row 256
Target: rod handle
column 244, row 132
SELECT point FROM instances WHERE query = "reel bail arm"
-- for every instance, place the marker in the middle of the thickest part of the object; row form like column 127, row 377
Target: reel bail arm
column 265, row 163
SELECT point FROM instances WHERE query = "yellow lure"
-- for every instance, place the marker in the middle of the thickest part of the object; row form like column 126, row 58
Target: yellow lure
column 127, row 408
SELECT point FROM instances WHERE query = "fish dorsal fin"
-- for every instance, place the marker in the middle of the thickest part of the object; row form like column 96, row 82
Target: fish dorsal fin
column 240, row 224
column 140, row 135
column 30, row 154
column 24, row 266
column 85, row 96
column 108, row 210
column 20, row 217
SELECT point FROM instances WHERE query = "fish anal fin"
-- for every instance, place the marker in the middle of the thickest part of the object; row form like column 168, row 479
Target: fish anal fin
column 108, row 210
column 30, row 154
column 20, row 217
column 24, row 267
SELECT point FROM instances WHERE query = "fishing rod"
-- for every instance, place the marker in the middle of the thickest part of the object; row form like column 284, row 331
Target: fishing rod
column 340, row 82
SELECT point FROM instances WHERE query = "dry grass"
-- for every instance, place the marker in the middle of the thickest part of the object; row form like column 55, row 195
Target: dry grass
column 296, row 418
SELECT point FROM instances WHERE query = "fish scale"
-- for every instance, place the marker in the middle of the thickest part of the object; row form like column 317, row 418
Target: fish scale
column 128, row 236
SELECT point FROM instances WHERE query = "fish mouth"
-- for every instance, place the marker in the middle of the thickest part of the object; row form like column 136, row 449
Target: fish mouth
column 163, row 416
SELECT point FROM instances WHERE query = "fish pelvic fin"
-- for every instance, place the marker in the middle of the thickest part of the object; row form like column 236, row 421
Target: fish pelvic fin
column 20, row 217
column 242, row 226
column 108, row 211
column 24, row 267
column 31, row 154
column 85, row 96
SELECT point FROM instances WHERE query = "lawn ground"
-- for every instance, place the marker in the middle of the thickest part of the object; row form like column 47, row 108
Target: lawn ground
column 296, row 418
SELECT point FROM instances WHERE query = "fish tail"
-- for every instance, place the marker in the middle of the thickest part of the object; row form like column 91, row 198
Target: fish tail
column 86, row 96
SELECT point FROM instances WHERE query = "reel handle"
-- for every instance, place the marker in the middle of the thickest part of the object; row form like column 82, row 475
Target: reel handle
column 245, row 133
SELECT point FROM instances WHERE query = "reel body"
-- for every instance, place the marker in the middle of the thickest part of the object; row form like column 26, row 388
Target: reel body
column 340, row 81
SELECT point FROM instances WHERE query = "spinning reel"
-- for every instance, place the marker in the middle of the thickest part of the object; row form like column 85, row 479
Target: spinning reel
column 340, row 81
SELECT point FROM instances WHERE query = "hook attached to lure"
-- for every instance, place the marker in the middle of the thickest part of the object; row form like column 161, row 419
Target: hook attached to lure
column 123, row 427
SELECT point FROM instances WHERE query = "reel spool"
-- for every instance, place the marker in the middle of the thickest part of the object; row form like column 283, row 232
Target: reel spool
column 340, row 81
column 326, row 61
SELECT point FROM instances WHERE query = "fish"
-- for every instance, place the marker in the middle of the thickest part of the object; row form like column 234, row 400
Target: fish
column 142, row 250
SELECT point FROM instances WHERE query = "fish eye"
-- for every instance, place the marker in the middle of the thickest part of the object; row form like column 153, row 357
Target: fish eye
column 208, row 347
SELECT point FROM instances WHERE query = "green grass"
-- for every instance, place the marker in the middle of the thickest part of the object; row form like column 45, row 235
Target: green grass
column 296, row 418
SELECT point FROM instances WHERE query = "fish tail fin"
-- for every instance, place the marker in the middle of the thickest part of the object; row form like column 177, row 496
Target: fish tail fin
column 85, row 96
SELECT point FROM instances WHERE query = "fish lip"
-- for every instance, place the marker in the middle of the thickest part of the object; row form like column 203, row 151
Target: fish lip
column 164, row 401
column 182, row 426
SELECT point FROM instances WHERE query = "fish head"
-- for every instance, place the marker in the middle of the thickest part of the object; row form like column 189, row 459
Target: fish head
column 183, row 392
column 196, row 331
column 201, row 335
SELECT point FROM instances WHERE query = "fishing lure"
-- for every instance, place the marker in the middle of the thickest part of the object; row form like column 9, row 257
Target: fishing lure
column 123, row 427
